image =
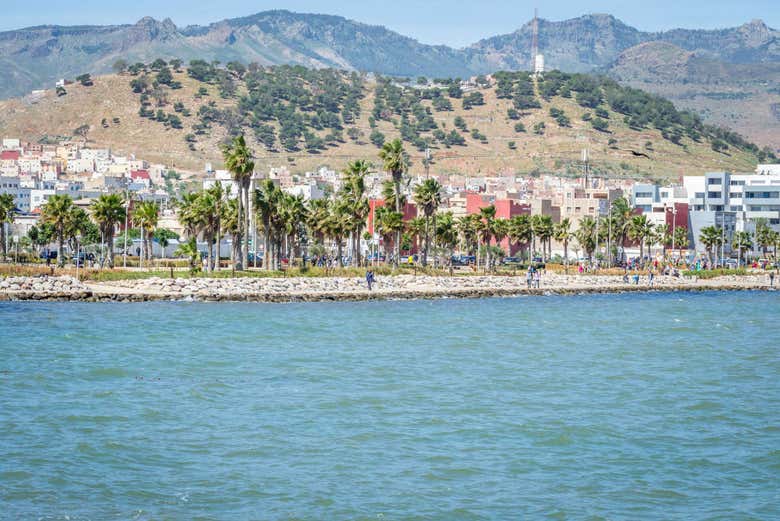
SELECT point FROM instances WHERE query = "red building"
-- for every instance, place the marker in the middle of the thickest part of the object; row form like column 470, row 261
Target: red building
column 410, row 212
column 505, row 209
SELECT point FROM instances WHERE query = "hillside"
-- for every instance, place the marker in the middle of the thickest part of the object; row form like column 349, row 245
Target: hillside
column 36, row 57
column 306, row 118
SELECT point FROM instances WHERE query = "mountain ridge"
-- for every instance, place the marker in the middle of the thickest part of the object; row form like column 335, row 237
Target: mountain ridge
column 36, row 57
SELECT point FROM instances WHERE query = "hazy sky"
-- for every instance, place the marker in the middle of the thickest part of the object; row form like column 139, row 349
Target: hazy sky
column 451, row 22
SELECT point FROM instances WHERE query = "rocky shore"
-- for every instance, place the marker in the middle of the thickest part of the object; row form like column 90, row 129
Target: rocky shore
column 346, row 289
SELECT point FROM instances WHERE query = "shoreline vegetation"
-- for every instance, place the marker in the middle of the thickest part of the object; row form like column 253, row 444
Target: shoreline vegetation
column 353, row 288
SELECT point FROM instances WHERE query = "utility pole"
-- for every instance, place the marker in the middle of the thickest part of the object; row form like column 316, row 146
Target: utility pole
column 585, row 160
column 127, row 212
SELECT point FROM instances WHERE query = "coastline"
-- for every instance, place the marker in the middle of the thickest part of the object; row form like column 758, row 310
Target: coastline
column 402, row 287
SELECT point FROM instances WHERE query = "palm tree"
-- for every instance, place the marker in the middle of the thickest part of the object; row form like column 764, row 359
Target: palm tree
column 467, row 228
column 267, row 199
column 78, row 228
column 189, row 249
column 56, row 212
column 500, row 232
column 586, row 235
column 339, row 224
column 446, row 233
column 427, row 195
column 390, row 224
column 354, row 201
column 680, row 237
column 108, row 210
column 763, row 234
column 187, row 213
column 545, row 232
column 7, row 207
column 416, row 229
column 292, row 213
column 563, row 234
column 640, row 229
column 521, row 232
column 711, row 237
column 145, row 216
column 621, row 213
column 487, row 216
column 742, row 241
column 238, row 160
column 396, row 162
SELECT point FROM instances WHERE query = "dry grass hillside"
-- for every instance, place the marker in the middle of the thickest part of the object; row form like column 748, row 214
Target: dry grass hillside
column 632, row 153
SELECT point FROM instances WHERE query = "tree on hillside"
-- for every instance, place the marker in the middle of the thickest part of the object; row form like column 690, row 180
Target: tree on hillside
column 85, row 80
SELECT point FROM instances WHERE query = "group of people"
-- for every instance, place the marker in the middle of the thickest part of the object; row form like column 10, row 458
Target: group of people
column 533, row 277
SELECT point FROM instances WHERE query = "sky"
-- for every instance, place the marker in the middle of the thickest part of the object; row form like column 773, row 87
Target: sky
column 451, row 22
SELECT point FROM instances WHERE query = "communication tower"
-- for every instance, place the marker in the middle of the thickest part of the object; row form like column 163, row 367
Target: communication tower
column 537, row 59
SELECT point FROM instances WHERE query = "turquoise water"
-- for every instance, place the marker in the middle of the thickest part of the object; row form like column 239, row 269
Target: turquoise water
column 645, row 406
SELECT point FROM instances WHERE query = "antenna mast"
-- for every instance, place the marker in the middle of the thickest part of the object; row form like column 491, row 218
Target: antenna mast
column 535, row 41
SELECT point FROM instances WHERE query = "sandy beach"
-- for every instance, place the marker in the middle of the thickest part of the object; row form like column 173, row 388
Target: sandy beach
column 350, row 289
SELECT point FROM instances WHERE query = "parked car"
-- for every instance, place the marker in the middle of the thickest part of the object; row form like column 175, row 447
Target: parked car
column 463, row 260
column 512, row 261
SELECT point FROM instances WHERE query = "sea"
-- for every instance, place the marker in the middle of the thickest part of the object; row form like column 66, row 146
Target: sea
column 619, row 407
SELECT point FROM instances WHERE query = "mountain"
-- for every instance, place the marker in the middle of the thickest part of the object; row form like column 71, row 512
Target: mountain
column 740, row 58
column 37, row 56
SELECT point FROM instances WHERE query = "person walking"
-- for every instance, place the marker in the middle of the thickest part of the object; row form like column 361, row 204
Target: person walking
column 771, row 279
column 537, row 278
column 529, row 277
column 369, row 279
column 650, row 277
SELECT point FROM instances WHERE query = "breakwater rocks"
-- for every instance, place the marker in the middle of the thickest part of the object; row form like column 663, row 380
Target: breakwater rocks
column 42, row 288
column 256, row 289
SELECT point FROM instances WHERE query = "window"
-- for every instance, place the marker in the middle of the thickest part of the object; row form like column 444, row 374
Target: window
column 737, row 183
column 713, row 195
column 735, row 195
column 644, row 195
column 736, row 208
column 699, row 195
column 713, row 181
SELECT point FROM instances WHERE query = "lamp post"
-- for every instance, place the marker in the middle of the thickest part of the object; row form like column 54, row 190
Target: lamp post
column 673, row 209
column 127, row 212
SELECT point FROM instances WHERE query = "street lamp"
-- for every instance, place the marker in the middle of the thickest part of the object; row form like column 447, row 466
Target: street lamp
column 673, row 209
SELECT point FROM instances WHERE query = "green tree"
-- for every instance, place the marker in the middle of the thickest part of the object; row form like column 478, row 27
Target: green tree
column 564, row 234
column 354, row 202
column 586, row 235
column 146, row 215
column 239, row 161
column 711, row 237
column 396, row 162
column 427, row 195
column 108, row 210
column 56, row 212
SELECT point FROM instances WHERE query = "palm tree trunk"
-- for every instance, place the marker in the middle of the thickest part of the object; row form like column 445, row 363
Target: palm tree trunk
column 219, row 238
column 2, row 240
column 247, row 227
column 60, row 249
column 237, row 263
column 397, row 245
column 427, row 239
